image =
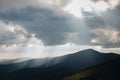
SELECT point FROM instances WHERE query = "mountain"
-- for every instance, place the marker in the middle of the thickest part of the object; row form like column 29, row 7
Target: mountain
column 56, row 68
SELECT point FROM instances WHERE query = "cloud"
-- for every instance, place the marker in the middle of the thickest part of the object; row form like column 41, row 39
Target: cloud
column 42, row 28
column 105, row 26
column 10, row 33
column 15, row 35
column 109, row 39
column 111, row 3
column 18, row 4
column 50, row 28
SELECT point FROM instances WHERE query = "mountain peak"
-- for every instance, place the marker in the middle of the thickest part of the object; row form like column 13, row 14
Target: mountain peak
column 89, row 51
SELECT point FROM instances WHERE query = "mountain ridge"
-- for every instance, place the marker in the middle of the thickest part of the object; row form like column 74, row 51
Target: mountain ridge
column 55, row 67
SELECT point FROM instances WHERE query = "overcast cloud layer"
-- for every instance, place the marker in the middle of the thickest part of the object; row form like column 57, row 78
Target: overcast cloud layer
column 44, row 22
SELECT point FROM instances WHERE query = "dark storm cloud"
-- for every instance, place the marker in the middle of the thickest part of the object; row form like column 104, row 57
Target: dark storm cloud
column 93, row 20
column 112, row 17
column 56, row 29
column 51, row 28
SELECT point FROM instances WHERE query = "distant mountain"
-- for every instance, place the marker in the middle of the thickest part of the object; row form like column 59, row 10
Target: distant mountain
column 55, row 68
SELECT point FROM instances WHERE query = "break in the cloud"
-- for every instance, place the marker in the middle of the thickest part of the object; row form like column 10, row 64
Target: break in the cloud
column 53, row 23
column 112, row 3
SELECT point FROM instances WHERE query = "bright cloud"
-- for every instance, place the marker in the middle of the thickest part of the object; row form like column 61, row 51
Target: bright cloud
column 76, row 7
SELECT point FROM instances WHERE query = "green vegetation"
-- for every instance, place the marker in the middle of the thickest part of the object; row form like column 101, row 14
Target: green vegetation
column 80, row 75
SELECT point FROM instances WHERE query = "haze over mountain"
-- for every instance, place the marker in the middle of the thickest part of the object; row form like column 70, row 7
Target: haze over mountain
column 54, row 68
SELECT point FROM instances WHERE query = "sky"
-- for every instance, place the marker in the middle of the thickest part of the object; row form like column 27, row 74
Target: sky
column 49, row 28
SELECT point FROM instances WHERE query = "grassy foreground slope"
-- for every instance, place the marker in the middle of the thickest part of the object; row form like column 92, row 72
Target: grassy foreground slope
column 106, row 71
